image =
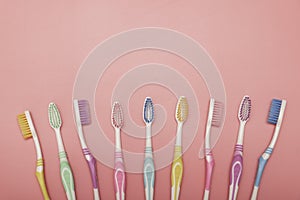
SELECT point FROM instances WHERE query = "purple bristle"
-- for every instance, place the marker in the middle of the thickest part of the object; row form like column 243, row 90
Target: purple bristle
column 84, row 112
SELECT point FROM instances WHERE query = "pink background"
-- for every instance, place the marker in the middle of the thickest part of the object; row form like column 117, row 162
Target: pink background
column 255, row 46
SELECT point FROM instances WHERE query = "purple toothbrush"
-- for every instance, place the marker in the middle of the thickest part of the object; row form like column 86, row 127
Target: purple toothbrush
column 82, row 116
column 237, row 162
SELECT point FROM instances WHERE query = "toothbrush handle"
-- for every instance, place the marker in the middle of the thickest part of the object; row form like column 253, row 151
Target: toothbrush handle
column 262, row 161
column 92, row 166
column 176, row 174
column 67, row 176
column 210, row 163
column 41, row 178
column 149, row 174
column 119, row 176
column 236, row 171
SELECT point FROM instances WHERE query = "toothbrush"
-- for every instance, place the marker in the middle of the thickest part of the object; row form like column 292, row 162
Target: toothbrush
column 177, row 165
column 65, row 169
column 214, row 118
column 237, row 162
column 275, row 117
column 28, row 131
column 119, row 173
column 149, row 170
column 82, row 117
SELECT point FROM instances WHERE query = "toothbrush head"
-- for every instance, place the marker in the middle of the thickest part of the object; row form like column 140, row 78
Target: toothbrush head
column 24, row 125
column 54, row 116
column 217, row 115
column 117, row 115
column 84, row 112
column 245, row 109
column 148, row 114
column 182, row 109
column 276, row 111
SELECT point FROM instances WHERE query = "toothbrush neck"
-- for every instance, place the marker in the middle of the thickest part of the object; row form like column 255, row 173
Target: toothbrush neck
column 118, row 139
column 207, row 134
column 37, row 147
column 148, row 135
column 275, row 137
column 179, row 134
column 81, row 137
column 59, row 141
column 241, row 133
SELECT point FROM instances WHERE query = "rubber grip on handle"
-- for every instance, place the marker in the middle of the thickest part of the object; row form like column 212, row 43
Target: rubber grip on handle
column 91, row 161
column 260, row 169
column 176, row 174
column 67, row 176
column 209, row 171
column 119, row 176
column 41, row 179
column 149, row 174
column 262, row 161
column 236, row 172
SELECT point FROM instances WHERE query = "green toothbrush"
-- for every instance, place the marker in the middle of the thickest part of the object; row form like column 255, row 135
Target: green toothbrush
column 65, row 169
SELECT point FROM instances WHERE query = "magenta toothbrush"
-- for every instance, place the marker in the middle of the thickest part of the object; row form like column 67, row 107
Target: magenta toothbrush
column 237, row 162
column 82, row 116
column 119, row 173
column 214, row 118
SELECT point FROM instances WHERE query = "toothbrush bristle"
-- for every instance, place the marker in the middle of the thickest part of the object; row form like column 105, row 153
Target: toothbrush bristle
column 54, row 116
column 24, row 126
column 274, row 111
column 245, row 109
column 148, row 114
column 84, row 112
column 217, row 114
column 117, row 115
column 182, row 109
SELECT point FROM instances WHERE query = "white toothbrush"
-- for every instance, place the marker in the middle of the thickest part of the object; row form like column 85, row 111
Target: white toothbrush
column 177, row 165
column 119, row 173
column 149, row 170
column 65, row 169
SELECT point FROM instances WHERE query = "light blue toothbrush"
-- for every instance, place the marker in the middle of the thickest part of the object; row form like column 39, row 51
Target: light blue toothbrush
column 149, row 169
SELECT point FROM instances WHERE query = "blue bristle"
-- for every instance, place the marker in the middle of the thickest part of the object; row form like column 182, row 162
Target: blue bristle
column 274, row 111
column 148, row 110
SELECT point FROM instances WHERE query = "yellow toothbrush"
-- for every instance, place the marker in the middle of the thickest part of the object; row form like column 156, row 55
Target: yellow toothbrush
column 177, row 165
column 28, row 131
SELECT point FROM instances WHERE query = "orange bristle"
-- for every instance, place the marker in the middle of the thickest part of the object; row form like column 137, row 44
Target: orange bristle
column 23, row 124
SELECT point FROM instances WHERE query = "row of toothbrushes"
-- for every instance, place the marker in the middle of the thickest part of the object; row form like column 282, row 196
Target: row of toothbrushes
column 82, row 116
column 81, row 109
column 214, row 118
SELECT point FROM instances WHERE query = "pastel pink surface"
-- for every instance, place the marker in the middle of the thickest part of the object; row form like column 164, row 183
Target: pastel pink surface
column 255, row 46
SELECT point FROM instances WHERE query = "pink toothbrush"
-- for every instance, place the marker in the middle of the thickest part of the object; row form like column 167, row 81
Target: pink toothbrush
column 119, row 174
column 237, row 162
column 82, row 116
column 214, row 118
